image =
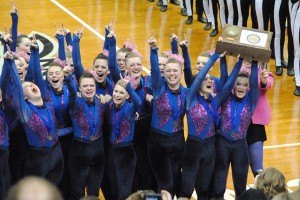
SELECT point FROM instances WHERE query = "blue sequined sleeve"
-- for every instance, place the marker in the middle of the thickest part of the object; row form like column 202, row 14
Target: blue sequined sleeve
column 224, row 72
column 78, row 67
column 174, row 46
column 157, row 80
column 188, row 75
column 14, row 31
column 112, row 60
column 223, row 94
column 21, row 106
column 135, row 100
column 61, row 47
column 199, row 79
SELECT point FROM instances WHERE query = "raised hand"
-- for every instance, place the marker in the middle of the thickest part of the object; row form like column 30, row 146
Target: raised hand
column 264, row 76
column 173, row 37
column 152, row 42
column 13, row 8
column 33, row 42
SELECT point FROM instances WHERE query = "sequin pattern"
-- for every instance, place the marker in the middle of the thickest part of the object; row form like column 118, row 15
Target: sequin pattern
column 178, row 125
column 124, row 130
column 82, row 122
column 164, row 110
column 2, row 130
column 38, row 127
column 226, row 119
column 245, row 122
column 198, row 115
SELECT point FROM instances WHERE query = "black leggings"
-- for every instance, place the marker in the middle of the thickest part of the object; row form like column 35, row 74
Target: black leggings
column 121, row 164
column 165, row 155
column 4, row 173
column 65, row 183
column 234, row 153
column 46, row 162
column 197, row 167
column 143, row 176
column 86, row 165
column 18, row 151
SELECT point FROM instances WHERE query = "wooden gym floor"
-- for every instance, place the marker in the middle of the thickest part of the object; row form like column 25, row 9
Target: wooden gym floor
column 134, row 20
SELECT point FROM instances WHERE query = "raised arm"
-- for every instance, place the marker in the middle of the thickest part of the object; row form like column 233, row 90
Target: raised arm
column 174, row 44
column 188, row 75
column 135, row 100
column 112, row 58
column 200, row 77
column 78, row 67
column 71, row 86
column 37, row 71
column 61, row 45
column 21, row 106
column 229, row 84
column 106, row 43
column 157, row 80
column 14, row 28
column 224, row 72
column 254, row 85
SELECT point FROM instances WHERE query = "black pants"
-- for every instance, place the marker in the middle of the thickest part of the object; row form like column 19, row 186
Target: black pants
column 143, row 177
column 121, row 162
column 165, row 155
column 18, row 150
column 46, row 162
column 197, row 167
column 65, row 183
column 236, row 154
column 4, row 173
column 86, row 167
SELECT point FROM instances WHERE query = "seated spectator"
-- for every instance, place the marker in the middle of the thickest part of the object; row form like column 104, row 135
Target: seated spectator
column 34, row 188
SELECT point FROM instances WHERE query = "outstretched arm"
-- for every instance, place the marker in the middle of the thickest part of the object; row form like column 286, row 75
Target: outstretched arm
column 188, row 75
column 78, row 67
column 21, row 106
column 157, row 80
column 224, row 72
column 229, row 84
column 61, row 45
column 135, row 99
column 14, row 28
column 174, row 44
column 112, row 57
column 200, row 77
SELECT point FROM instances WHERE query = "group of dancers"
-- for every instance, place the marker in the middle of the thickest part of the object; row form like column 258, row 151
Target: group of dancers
column 112, row 128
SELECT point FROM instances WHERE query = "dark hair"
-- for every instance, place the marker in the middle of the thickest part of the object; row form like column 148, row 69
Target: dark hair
column 243, row 75
column 173, row 60
column 100, row 56
column 86, row 74
column 20, row 38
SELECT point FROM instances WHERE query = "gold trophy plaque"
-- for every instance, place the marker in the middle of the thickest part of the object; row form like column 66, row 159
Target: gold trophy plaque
column 251, row 44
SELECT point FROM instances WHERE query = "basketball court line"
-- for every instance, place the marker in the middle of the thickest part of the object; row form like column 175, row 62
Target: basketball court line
column 145, row 69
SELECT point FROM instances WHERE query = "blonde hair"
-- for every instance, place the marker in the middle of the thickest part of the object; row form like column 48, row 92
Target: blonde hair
column 40, row 185
column 272, row 182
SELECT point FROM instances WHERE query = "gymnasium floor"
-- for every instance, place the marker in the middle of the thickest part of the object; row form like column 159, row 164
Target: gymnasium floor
column 134, row 20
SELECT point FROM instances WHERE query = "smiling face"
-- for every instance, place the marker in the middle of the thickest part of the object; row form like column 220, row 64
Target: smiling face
column 55, row 77
column 207, row 86
column 134, row 66
column 21, row 67
column 201, row 61
column 241, row 86
column 31, row 91
column 120, row 95
column 24, row 44
column 87, row 87
column 101, row 68
column 172, row 74
column 121, row 60
column 162, row 60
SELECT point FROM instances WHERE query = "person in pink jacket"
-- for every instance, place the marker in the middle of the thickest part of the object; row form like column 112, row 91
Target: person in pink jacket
column 256, row 133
